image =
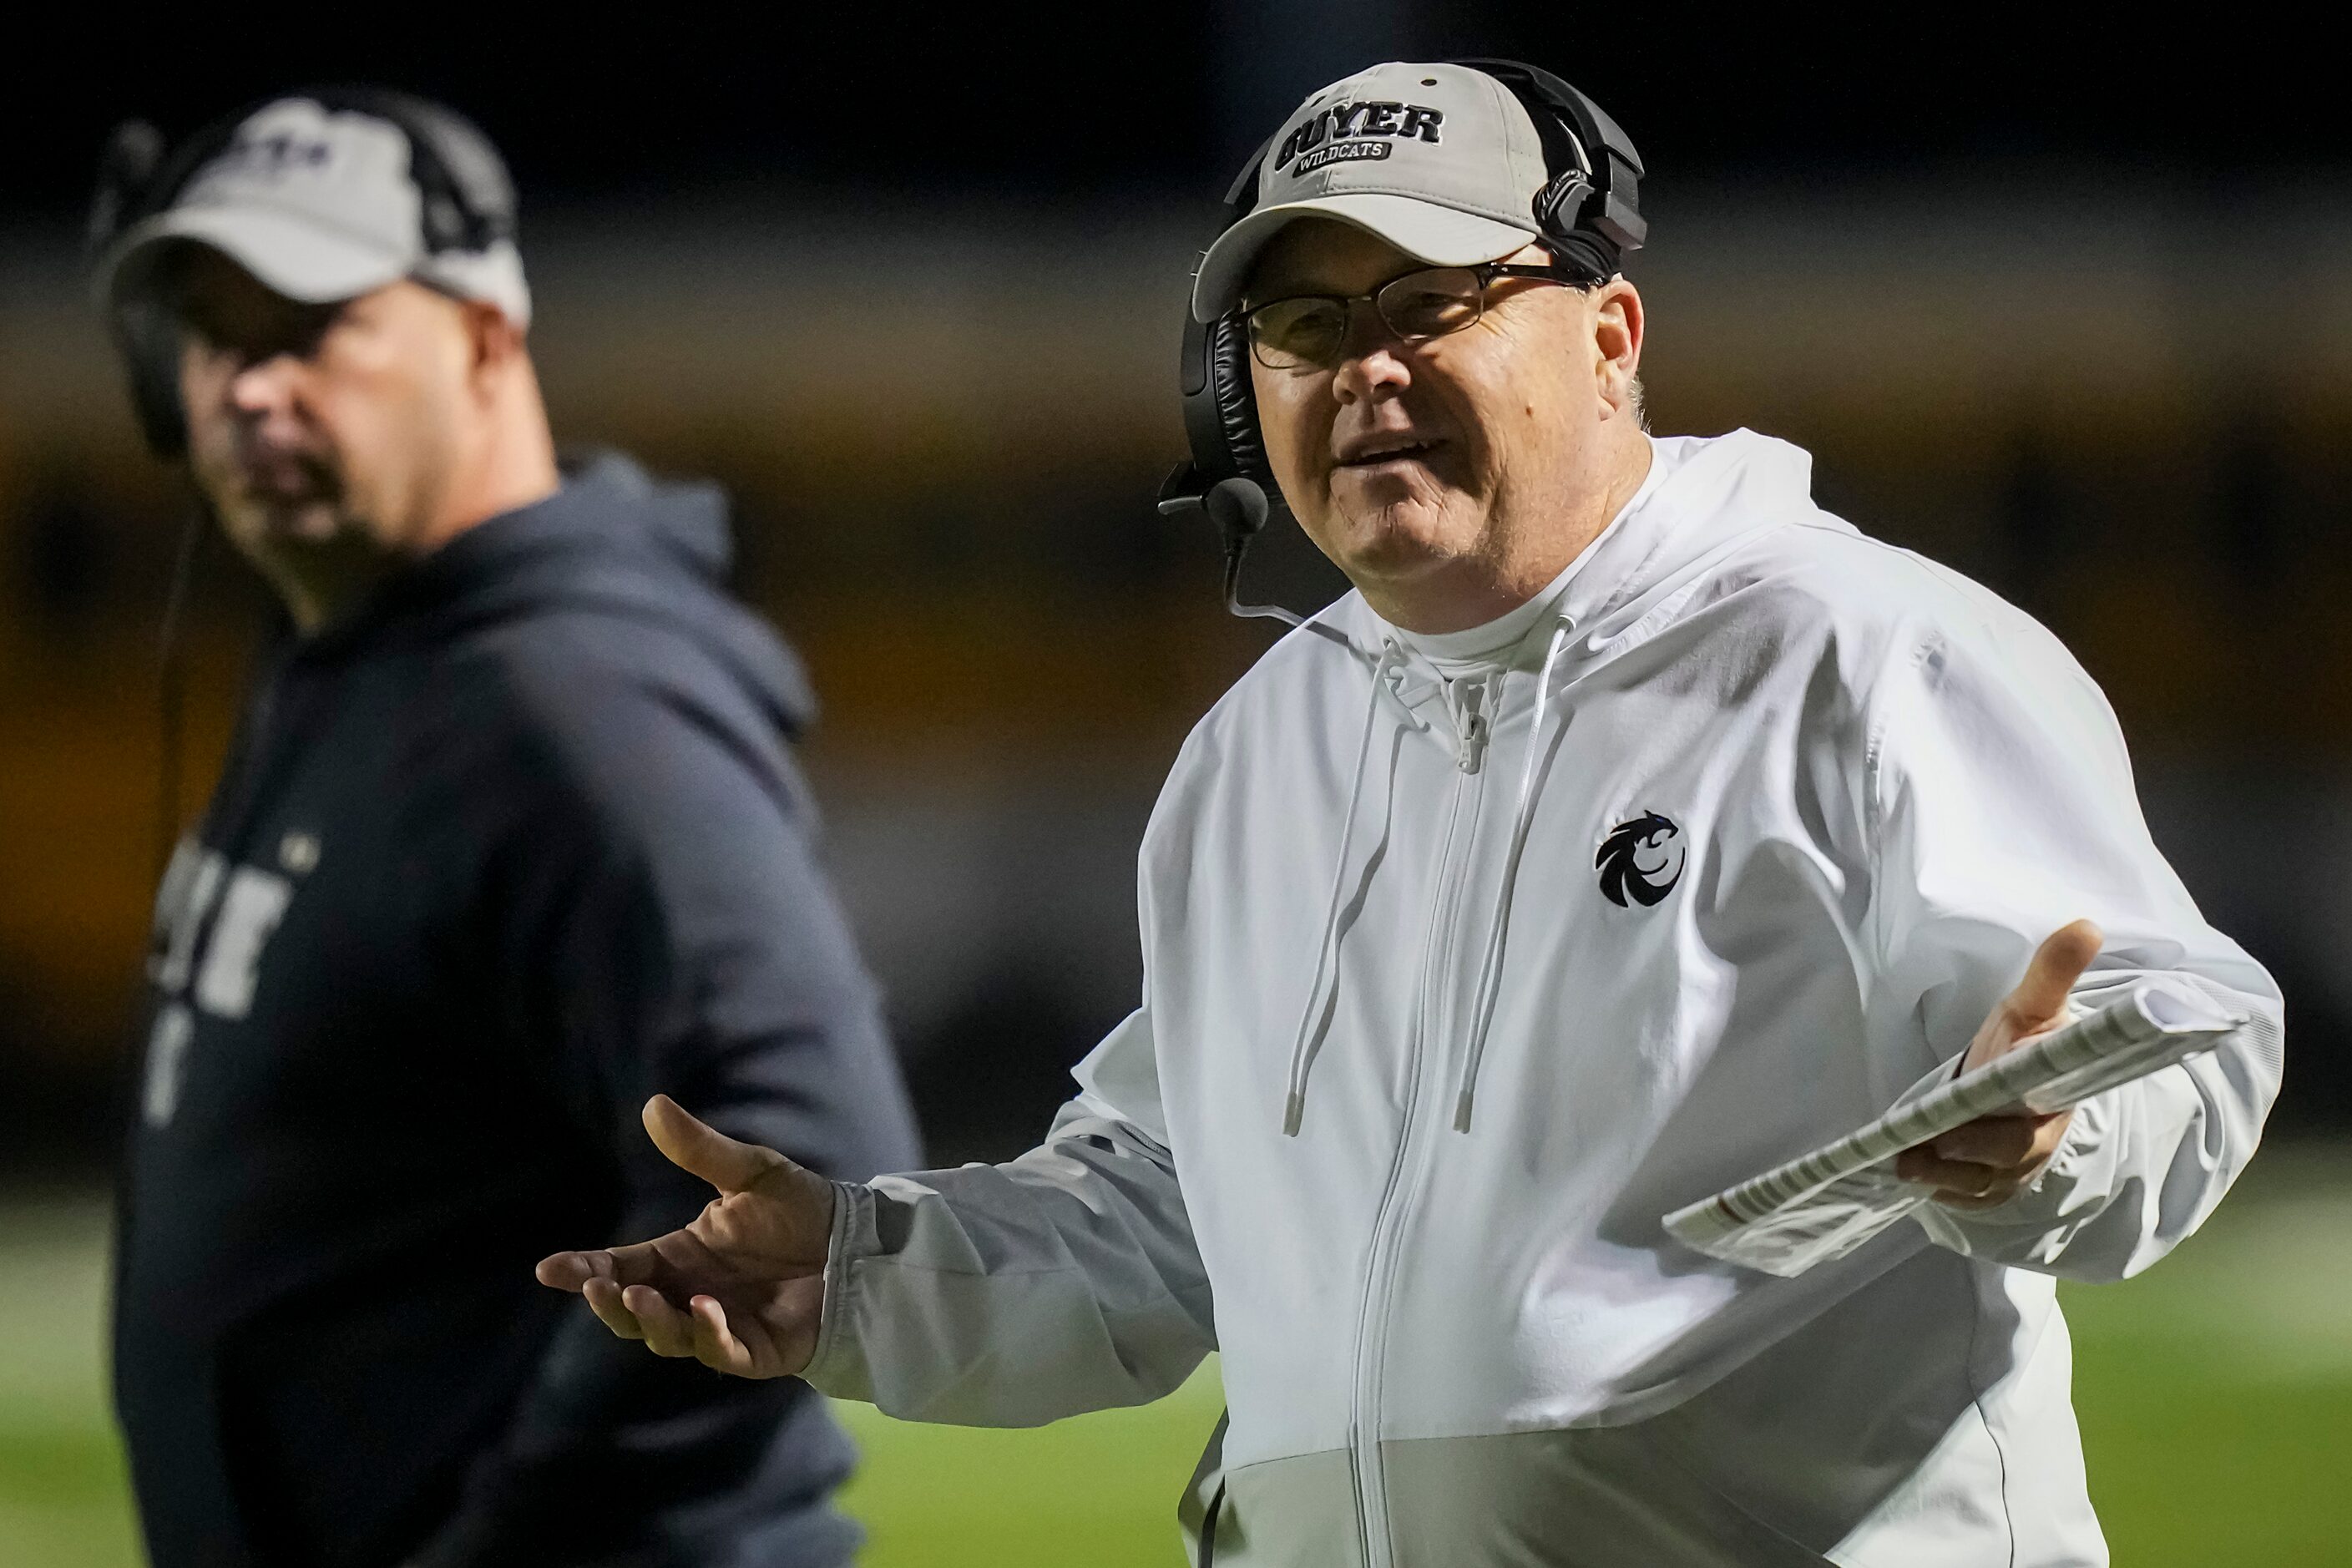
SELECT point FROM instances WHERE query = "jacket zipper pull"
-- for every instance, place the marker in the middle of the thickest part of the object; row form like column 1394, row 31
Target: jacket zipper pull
column 1470, row 749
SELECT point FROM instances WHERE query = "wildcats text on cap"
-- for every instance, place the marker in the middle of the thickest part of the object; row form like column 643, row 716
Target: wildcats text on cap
column 1344, row 120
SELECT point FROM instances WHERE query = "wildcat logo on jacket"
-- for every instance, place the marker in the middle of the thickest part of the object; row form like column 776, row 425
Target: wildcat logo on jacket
column 1641, row 859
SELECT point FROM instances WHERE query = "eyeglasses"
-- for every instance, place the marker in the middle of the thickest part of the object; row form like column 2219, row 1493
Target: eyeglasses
column 1309, row 331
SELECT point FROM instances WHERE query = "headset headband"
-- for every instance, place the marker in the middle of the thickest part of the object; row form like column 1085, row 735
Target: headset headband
column 1599, row 151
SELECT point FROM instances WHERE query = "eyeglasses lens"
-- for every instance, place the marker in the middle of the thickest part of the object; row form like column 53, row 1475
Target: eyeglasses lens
column 1430, row 304
column 1293, row 334
column 1311, row 331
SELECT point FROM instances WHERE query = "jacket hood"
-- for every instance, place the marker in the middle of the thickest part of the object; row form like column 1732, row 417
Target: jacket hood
column 1717, row 491
column 613, row 541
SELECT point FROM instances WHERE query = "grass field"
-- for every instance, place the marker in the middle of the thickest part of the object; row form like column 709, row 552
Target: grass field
column 2215, row 1392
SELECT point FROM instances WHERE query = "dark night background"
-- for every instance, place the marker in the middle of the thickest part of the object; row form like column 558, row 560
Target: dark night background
column 1035, row 104
column 1029, row 105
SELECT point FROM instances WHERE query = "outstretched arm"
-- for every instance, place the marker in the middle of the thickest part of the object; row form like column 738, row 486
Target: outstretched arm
column 1063, row 1281
column 1011, row 1295
column 1008, row 1295
column 2004, row 809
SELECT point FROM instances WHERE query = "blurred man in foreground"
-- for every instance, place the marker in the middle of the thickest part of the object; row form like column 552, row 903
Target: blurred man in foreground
column 1634, row 826
column 513, row 805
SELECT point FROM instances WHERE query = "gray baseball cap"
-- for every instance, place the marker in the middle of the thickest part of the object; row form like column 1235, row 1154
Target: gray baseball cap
column 1441, row 161
column 318, row 203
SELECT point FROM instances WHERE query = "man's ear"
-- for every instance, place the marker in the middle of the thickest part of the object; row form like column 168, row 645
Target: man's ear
column 1617, row 328
column 496, row 341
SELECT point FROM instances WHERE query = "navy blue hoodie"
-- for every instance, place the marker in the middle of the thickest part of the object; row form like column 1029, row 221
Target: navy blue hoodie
column 516, row 845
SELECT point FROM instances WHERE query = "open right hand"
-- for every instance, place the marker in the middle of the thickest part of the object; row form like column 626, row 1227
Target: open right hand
column 742, row 1289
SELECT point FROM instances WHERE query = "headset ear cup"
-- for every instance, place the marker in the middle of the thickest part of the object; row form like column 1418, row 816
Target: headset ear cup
column 149, row 345
column 1580, row 249
column 155, row 399
column 1236, row 402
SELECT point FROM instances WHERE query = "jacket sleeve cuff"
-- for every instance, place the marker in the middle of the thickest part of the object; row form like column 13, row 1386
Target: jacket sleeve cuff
column 839, row 1367
column 2032, row 1221
column 1937, row 1076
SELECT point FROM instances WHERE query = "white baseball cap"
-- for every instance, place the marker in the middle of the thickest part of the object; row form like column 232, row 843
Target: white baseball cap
column 320, row 204
column 1441, row 161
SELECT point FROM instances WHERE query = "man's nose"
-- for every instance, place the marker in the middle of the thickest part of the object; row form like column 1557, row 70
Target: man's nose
column 1372, row 359
column 264, row 385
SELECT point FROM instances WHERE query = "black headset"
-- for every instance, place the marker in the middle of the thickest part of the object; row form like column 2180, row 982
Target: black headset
column 468, row 205
column 1587, row 214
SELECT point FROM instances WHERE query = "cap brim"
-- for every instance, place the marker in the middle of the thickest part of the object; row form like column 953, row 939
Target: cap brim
column 1440, row 236
column 289, row 255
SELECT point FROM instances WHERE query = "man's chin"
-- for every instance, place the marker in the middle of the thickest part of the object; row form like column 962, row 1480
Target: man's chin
column 283, row 524
column 1400, row 539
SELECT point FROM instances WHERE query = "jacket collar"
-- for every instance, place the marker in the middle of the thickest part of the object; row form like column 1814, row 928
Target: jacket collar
column 1702, row 494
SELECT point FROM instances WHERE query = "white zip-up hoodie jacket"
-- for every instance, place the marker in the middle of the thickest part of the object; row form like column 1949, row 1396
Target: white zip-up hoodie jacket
column 1468, row 958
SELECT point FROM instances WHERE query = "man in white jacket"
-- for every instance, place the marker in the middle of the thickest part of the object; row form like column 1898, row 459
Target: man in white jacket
column 1632, row 827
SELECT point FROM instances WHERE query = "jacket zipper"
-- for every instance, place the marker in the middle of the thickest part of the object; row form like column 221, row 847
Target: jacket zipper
column 1466, row 701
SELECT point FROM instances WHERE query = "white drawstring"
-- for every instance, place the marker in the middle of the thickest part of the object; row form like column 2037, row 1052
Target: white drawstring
column 1490, row 972
column 1304, row 1048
